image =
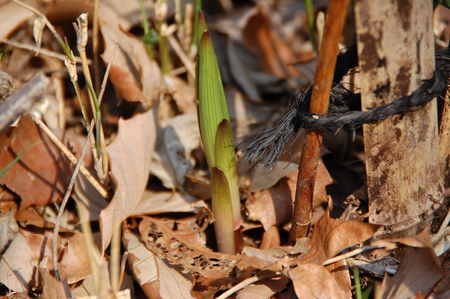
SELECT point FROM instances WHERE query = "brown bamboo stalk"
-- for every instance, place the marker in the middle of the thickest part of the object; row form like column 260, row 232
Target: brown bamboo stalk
column 301, row 219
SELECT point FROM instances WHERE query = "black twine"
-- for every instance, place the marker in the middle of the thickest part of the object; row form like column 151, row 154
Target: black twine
column 267, row 146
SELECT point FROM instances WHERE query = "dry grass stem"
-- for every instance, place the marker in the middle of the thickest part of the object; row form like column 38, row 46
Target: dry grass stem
column 64, row 203
column 103, row 192
column 244, row 284
column 41, row 51
column 182, row 55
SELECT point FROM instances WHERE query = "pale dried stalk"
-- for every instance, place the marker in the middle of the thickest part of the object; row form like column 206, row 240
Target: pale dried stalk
column 71, row 68
column 188, row 18
column 95, row 43
column 183, row 57
column 105, row 78
column 100, row 157
column 96, row 262
column 82, row 38
column 350, row 254
column 41, row 51
column 243, row 284
column 63, row 206
column 103, row 192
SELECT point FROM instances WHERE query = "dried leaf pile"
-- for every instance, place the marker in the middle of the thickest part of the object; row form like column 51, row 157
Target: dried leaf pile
column 156, row 193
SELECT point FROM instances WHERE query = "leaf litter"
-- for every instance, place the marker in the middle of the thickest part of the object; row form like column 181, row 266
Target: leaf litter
column 160, row 188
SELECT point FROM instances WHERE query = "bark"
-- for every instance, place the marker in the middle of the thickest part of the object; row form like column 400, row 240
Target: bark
column 396, row 51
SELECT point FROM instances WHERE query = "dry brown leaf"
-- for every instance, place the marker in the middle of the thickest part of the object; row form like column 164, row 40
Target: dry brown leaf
column 181, row 242
column 26, row 252
column 13, row 15
column 173, row 157
column 264, row 178
column 16, row 268
column 157, row 278
column 271, row 238
column 8, row 229
column 84, row 289
column 419, row 270
column 421, row 240
column 263, row 289
column 41, row 175
column 275, row 56
column 52, row 288
column 183, row 94
column 330, row 236
column 135, row 77
column 273, row 206
column 315, row 282
column 153, row 203
column 130, row 154
column 75, row 261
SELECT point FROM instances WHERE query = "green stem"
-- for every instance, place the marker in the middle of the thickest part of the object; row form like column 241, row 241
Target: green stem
column 357, row 280
column 146, row 26
column 97, row 118
column 312, row 30
column 195, row 34
column 163, row 49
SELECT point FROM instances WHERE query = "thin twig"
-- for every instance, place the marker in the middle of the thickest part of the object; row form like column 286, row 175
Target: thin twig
column 301, row 219
column 105, row 77
column 243, row 284
column 41, row 51
column 103, row 192
column 22, row 100
column 350, row 254
column 64, row 203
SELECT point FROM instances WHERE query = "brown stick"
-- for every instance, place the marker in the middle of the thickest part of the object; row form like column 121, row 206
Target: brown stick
column 301, row 218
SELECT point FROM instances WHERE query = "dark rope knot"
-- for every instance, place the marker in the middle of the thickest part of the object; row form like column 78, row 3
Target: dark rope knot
column 344, row 110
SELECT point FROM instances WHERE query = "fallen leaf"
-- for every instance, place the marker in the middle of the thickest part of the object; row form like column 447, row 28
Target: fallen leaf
column 419, row 270
column 41, row 175
column 315, row 282
column 52, row 288
column 273, row 206
column 263, row 289
column 157, row 278
column 183, row 94
column 8, row 229
column 14, row 15
column 75, row 260
column 173, row 157
column 153, row 203
column 331, row 236
column 16, row 268
column 130, row 154
column 134, row 76
column 181, row 242
column 274, row 55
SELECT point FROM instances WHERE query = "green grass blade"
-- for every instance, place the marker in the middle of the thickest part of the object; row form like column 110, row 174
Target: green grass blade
column 4, row 170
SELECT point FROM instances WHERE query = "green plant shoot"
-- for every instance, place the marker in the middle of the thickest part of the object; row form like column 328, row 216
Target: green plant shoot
column 217, row 137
